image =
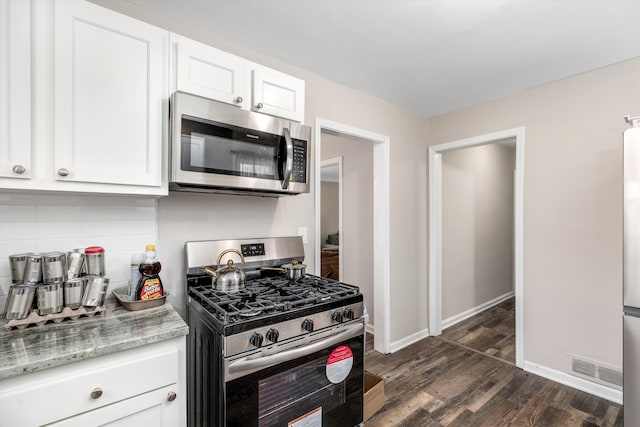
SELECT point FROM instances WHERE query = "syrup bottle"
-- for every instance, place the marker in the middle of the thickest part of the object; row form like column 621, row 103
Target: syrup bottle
column 149, row 285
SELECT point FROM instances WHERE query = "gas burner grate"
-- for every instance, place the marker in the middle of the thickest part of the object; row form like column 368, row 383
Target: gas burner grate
column 266, row 296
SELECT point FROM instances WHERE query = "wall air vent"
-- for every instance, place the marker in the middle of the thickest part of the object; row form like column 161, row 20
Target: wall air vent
column 596, row 372
column 583, row 367
column 608, row 375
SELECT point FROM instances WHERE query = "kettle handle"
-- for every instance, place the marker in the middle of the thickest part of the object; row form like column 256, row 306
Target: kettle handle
column 226, row 251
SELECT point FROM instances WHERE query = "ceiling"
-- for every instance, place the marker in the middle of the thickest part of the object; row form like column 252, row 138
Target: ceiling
column 428, row 56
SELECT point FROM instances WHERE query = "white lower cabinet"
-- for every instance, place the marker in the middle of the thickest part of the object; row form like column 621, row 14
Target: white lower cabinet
column 145, row 386
column 150, row 409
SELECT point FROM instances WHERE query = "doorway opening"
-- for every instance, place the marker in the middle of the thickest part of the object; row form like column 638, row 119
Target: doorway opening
column 381, row 203
column 331, row 218
column 436, row 228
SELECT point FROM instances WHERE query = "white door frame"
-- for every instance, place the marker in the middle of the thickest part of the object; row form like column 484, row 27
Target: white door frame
column 435, row 229
column 381, row 223
column 323, row 163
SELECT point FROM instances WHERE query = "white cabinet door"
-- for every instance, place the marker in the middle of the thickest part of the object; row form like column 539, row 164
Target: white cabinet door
column 15, row 89
column 278, row 94
column 208, row 72
column 150, row 409
column 110, row 85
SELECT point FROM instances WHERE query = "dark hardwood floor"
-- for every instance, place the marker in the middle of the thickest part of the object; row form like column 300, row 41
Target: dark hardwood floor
column 458, row 379
column 491, row 332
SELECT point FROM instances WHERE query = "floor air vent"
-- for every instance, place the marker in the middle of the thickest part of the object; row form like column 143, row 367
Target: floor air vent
column 597, row 373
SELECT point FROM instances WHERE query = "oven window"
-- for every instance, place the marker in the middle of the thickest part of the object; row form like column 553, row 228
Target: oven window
column 292, row 390
column 229, row 150
column 281, row 396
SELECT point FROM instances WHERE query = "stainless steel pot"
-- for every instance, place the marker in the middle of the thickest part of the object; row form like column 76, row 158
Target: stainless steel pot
column 294, row 271
column 228, row 279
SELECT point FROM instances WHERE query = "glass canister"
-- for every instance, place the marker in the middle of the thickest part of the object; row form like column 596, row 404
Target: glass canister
column 50, row 298
column 94, row 260
column 75, row 263
column 54, row 267
column 19, row 301
column 33, row 269
column 17, row 263
column 95, row 291
column 73, row 292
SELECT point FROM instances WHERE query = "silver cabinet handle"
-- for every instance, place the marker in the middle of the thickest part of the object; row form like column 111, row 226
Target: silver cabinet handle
column 96, row 393
column 19, row 169
column 63, row 172
column 171, row 396
column 238, row 99
column 259, row 105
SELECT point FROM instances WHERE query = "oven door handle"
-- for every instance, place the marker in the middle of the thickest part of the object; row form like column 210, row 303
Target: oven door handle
column 288, row 164
column 246, row 364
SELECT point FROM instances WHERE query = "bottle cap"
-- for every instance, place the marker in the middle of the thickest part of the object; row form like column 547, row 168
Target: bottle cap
column 94, row 250
column 151, row 247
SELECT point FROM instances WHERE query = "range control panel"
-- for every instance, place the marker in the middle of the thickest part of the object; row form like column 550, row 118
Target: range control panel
column 253, row 249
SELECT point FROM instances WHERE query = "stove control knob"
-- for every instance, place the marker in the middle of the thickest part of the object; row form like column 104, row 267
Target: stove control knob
column 307, row 325
column 272, row 335
column 256, row 340
column 349, row 314
column 337, row 316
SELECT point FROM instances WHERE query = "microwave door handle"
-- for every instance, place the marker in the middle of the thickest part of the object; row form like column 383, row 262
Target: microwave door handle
column 288, row 164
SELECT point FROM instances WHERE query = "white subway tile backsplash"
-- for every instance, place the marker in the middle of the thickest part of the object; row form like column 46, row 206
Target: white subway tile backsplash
column 118, row 228
column 11, row 247
column 46, row 223
column 17, row 213
column 59, row 213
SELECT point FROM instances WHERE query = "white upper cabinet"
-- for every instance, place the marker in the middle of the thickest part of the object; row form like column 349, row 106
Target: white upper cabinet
column 15, row 89
column 83, row 99
column 203, row 70
column 277, row 94
column 209, row 72
column 110, row 85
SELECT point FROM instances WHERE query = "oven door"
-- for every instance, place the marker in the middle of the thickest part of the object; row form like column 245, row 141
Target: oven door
column 320, row 384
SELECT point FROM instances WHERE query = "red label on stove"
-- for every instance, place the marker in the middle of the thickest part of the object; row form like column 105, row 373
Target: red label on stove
column 339, row 364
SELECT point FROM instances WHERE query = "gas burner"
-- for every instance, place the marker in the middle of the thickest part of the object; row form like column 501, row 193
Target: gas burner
column 265, row 296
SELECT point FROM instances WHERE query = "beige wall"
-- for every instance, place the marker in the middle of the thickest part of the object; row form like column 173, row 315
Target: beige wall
column 356, row 240
column 477, row 226
column 572, row 206
column 329, row 211
column 183, row 217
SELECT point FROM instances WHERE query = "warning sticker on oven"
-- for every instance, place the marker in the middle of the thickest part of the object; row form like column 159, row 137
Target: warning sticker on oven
column 311, row 419
column 339, row 364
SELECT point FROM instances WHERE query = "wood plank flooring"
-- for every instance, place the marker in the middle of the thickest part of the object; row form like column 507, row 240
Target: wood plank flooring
column 459, row 380
column 491, row 332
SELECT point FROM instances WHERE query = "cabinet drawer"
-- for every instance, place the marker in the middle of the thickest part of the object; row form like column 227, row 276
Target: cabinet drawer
column 57, row 393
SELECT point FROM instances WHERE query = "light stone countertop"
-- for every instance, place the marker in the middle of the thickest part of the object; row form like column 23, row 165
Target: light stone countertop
column 53, row 344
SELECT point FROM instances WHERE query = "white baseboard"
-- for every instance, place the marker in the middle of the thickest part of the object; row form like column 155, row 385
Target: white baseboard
column 407, row 341
column 369, row 328
column 475, row 310
column 599, row 390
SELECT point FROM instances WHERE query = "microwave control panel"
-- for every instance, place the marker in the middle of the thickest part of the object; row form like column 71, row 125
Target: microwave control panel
column 299, row 161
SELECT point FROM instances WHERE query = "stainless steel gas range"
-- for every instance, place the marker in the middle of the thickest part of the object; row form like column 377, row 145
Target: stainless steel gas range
column 273, row 352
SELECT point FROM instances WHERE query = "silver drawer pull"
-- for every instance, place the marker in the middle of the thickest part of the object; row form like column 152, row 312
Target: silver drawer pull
column 171, row 396
column 259, row 105
column 63, row 172
column 19, row 169
column 238, row 100
column 96, row 393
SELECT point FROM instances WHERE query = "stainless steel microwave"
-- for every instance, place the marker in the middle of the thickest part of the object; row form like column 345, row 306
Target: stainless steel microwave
column 216, row 147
